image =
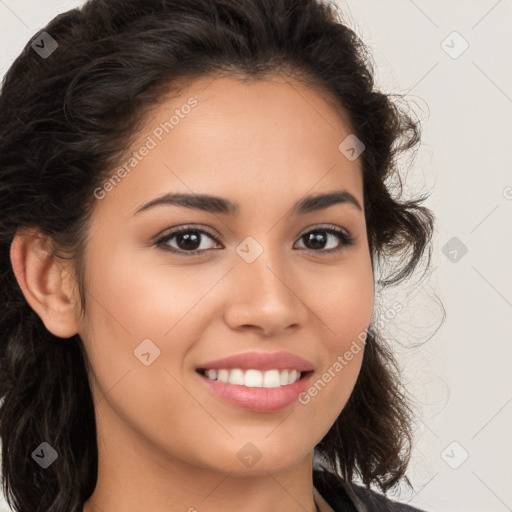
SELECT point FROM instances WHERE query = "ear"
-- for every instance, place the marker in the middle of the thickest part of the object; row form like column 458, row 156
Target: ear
column 45, row 282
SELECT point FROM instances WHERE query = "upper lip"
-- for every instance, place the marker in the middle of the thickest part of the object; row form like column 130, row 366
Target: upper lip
column 260, row 361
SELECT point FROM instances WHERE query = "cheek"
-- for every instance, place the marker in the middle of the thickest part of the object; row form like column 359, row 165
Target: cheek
column 128, row 304
column 344, row 300
column 345, row 308
column 142, row 295
column 132, row 299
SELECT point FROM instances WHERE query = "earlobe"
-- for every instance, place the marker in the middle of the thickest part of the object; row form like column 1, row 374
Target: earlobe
column 44, row 282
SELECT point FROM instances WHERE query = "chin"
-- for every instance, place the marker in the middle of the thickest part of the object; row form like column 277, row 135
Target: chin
column 249, row 461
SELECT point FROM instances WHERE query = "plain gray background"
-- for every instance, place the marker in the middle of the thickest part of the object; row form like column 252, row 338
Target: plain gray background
column 459, row 372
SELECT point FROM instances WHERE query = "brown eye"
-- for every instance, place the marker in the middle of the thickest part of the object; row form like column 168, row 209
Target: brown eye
column 188, row 240
column 317, row 239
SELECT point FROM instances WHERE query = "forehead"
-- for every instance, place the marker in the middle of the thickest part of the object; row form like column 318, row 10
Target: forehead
column 222, row 136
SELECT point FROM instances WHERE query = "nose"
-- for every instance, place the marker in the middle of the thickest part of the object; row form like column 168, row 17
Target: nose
column 266, row 296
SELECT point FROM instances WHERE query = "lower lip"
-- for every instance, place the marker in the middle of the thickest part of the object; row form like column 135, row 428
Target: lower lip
column 258, row 399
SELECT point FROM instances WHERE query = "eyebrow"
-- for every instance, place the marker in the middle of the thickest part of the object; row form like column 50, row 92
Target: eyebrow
column 214, row 204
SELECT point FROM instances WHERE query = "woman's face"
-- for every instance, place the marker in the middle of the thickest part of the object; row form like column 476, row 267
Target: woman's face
column 252, row 282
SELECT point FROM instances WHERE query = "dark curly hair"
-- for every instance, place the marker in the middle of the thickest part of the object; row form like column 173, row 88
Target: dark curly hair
column 67, row 120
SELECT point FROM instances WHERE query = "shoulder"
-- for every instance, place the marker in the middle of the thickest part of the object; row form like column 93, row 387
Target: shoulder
column 354, row 498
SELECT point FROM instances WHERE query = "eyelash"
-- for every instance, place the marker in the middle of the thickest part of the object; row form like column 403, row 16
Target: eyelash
column 346, row 239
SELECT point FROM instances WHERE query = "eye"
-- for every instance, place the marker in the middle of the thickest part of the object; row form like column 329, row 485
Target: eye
column 317, row 238
column 189, row 240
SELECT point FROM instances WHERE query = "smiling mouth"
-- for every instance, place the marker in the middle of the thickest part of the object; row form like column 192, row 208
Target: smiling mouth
column 253, row 378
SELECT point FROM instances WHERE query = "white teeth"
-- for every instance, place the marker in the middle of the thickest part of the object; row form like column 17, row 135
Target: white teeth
column 255, row 378
column 271, row 379
column 236, row 376
column 223, row 375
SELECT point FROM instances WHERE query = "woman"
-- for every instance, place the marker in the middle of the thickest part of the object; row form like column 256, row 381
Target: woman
column 195, row 205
